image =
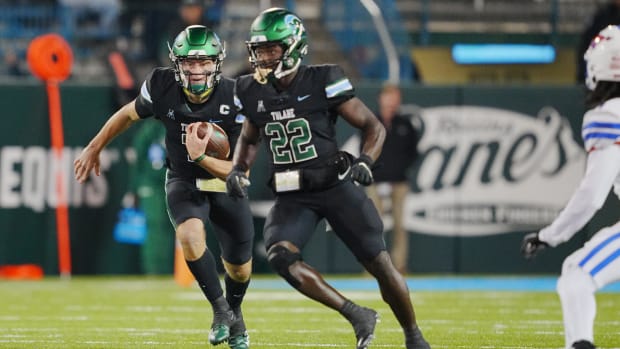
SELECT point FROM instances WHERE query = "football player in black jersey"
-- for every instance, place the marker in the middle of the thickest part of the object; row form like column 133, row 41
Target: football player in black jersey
column 294, row 108
column 191, row 91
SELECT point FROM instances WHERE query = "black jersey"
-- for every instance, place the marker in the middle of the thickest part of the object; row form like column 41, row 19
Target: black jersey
column 162, row 97
column 298, row 124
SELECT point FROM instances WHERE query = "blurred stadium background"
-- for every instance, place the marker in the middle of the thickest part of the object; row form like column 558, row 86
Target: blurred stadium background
column 341, row 31
column 495, row 135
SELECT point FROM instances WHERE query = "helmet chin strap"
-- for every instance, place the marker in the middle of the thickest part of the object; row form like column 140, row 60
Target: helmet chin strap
column 203, row 88
column 264, row 75
column 279, row 73
column 202, row 96
column 261, row 75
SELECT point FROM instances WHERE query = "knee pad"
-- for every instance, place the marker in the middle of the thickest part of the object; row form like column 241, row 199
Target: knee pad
column 280, row 258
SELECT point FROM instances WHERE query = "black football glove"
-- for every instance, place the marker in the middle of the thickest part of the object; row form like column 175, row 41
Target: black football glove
column 532, row 245
column 361, row 170
column 237, row 183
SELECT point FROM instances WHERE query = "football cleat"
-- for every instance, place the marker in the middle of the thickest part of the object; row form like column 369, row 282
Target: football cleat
column 239, row 338
column 417, row 341
column 220, row 328
column 364, row 321
column 240, row 341
column 583, row 345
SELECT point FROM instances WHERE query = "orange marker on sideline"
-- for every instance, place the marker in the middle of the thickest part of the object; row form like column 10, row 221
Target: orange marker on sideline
column 50, row 59
column 182, row 275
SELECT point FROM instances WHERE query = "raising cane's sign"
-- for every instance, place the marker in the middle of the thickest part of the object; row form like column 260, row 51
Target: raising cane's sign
column 484, row 171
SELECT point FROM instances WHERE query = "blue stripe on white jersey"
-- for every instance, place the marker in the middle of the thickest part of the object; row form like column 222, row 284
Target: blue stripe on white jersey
column 337, row 87
column 596, row 250
column 144, row 92
column 588, row 136
column 600, row 129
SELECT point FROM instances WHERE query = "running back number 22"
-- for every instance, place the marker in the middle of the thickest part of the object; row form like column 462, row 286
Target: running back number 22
column 290, row 141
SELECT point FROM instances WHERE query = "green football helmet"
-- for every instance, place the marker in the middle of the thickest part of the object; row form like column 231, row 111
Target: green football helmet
column 281, row 27
column 197, row 42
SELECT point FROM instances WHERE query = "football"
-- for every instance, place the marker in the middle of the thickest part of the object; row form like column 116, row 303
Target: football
column 218, row 146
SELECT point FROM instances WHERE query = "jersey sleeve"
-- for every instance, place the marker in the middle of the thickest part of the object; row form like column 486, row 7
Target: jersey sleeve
column 144, row 101
column 237, row 101
column 238, row 91
column 600, row 129
column 602, row 169
column 338, row 88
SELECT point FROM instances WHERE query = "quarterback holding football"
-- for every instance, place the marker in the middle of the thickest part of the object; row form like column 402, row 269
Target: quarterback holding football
column 182, row 97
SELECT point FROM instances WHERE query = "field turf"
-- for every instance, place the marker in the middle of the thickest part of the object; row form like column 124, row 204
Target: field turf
column 153, row 312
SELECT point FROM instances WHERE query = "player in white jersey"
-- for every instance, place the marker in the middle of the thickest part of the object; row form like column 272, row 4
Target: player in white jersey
column 597, row 263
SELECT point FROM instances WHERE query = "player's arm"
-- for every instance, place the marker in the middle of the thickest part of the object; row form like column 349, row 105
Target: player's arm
column 195, row 149
column 247, row 146
column 355, row 112
column 88, row 160
column 603, row 166
column 243, row 158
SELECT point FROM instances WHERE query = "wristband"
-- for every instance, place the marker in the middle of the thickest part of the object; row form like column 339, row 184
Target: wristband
column 200, row 158
column 239, row 168
column 366, row 159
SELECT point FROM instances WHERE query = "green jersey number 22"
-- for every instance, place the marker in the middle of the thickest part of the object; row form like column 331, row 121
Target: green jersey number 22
column 289, row 141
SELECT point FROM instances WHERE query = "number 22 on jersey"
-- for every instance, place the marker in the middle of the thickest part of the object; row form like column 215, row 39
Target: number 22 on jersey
column 290, row 141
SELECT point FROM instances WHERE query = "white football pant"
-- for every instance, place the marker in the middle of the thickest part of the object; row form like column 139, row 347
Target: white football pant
column 590, row 268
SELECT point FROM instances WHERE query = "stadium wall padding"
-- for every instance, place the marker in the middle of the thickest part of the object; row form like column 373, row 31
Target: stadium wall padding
column 27, row 198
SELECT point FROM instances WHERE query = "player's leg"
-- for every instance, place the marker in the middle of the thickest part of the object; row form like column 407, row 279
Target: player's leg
column 285, row 259
column 585, row 271
column 203, row 266
column 331, row 202
column 357, row 223
column 395, row 293
column 234, row 228
column 188, row 209
column 576, row 290
column 400, row 243
column 288, row 227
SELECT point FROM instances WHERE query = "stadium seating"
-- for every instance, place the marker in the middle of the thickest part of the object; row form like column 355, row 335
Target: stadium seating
column 341, row 30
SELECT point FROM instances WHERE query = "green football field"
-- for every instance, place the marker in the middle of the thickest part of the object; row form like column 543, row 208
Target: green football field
column 147, row 312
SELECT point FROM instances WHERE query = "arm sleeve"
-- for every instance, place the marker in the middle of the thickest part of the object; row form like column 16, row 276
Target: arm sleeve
column 602, row 169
